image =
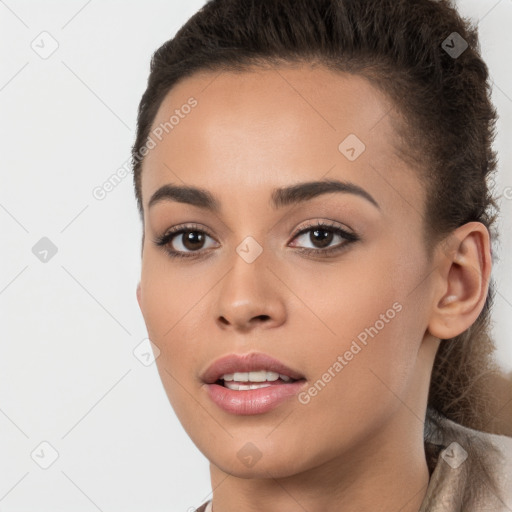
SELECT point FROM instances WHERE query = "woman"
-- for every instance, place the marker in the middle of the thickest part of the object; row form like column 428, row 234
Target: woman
column 313, row 180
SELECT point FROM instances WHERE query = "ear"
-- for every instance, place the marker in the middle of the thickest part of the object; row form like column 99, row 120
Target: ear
column 463, row 271
column 139, row 295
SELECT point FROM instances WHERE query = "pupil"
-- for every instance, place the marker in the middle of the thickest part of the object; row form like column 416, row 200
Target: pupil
column 193, row 239
column 324, row 240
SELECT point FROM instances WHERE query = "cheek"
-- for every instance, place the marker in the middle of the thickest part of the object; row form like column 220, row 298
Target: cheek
column 359, row 377
column 168, row 307
column 372, row 321
column 170, row 301
column 168, row 293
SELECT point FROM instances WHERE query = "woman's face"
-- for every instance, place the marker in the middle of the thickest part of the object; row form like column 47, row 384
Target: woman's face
column 352, row 322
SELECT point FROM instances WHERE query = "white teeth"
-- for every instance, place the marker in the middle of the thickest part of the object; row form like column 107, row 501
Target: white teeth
column 258, row 376
column 244, row 387
column 262, row 376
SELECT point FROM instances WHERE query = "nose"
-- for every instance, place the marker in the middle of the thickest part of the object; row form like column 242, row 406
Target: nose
column 250, row 296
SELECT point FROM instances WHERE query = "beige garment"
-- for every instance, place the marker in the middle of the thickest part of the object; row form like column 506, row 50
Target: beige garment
column 454, row 454
column 458, row 483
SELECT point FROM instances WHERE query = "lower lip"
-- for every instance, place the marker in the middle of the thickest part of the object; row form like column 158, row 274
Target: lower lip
column 252, row 401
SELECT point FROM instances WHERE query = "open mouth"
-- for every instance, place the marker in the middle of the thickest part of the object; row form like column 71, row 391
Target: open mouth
column 246, row 384
column 254, row 391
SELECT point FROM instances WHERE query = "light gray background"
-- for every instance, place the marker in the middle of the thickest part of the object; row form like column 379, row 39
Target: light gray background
column 69, row 326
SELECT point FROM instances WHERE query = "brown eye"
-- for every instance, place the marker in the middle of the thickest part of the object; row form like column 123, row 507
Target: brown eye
column 184, row 241
column 192, row 240
column 187, row 240
column 321, row 236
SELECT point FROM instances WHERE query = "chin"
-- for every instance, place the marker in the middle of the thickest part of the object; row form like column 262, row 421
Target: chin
column 244, row 460
column 273, row 467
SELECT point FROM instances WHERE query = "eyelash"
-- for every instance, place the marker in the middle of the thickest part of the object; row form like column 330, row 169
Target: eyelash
column 165, row 239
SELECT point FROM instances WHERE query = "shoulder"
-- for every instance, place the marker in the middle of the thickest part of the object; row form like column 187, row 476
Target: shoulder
column 500, row 463
column 472, row 471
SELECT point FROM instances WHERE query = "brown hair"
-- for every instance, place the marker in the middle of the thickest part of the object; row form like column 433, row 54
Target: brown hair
column 446, row 125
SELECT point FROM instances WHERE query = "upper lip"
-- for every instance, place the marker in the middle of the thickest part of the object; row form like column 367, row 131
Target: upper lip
column 253, row 361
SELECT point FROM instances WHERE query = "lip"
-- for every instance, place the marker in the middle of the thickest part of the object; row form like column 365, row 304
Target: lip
column 250, row 401
column 253, row 401
column 252, row 361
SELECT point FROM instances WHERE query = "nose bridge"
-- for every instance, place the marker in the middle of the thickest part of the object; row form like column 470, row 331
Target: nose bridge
column 247, row 278
column 249, row 290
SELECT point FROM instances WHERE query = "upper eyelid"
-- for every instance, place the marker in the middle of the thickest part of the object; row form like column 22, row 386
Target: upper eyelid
column 309, row 225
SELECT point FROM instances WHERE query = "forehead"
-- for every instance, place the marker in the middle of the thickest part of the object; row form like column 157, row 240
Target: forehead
column 256, row 130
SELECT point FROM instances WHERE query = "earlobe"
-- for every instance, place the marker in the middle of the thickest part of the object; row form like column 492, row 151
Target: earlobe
column 464, row 282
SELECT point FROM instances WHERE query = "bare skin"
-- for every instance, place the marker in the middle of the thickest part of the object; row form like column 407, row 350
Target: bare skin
column 357, row 445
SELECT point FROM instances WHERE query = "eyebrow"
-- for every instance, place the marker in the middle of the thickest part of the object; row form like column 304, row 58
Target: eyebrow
column 280, row 198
